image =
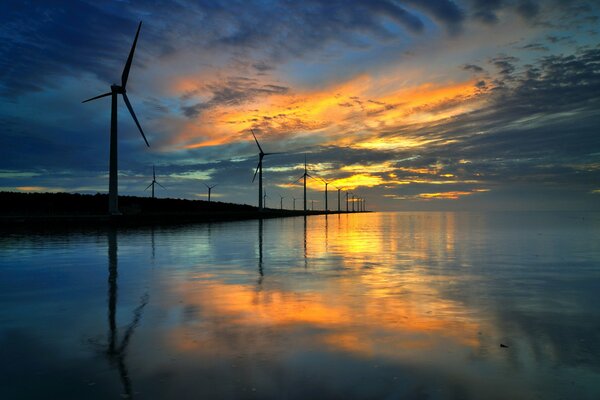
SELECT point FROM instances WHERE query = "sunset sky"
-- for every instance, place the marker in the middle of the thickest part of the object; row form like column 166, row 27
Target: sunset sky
column 414, row 105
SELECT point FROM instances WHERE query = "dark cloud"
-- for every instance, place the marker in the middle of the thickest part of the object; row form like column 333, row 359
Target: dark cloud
column 528, row 9
column 446, row 11
column 534, row 47
column 557, row 39
column 231, row 92
column 505, row 64
column 472, row 68
column 44, row 41
column 485, row 10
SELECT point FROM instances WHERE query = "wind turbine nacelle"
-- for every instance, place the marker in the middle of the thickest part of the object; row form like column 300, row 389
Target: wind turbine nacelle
column 116, row 88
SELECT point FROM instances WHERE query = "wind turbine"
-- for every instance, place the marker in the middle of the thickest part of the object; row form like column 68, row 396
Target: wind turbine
column 304, row 175
column 294, row 208
column 209, row 190
column 258, row 171
column 326, row 206
column 264, row 204
column 115, row 90
column 154, row 182
column 281, row 202
column 347, row 194
column 339, row 203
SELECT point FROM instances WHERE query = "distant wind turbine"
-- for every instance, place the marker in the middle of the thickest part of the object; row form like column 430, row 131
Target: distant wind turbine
column 209, row 190
column 347, row 194
column 281, row 202
column 326, row 184
column 304, row 176
column 339, row 203
column 113, row 185
column 154, row 182
column 294, row 208
column 264, row 204
column 258, row 171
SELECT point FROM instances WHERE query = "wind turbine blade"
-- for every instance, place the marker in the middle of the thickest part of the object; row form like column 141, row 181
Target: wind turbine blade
column 302, row 176
column 214, row 185
column 148, row 187
column 97, row 97
column 153, row 173
column 256, row 172
column 161, row 186
column 128, row 104
column 130, row 58
column 256, row 140
column 279, row 152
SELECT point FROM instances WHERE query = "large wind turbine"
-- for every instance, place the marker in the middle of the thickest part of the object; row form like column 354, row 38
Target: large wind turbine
column 258, row 171
column 113, row 186
column 209, row 190
column 154, row 182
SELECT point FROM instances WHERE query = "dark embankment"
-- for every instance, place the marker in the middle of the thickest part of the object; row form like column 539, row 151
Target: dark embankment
column 31, row 209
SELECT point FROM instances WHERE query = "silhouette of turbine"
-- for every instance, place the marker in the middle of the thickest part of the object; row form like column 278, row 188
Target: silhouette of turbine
column 154, row 182
column 281, row 202
column 347, row 194
column 113, row 185
column 258, row 171
column 209, row 190
column 339, row 203
column 304, row 175
column 326, row 206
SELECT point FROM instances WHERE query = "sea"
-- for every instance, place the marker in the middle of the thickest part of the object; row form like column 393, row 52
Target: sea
column 398, row 305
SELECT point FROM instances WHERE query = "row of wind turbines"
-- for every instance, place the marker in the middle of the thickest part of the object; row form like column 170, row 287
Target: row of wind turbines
column 358, row 204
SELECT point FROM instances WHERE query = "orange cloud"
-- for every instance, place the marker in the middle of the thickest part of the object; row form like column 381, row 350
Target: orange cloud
column 345, row 114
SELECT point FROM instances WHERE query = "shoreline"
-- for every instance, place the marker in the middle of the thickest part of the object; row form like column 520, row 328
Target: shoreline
column 50, row 221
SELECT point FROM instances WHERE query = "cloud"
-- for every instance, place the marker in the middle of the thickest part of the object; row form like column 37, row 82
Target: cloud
column 233, row 91
column 473, row 68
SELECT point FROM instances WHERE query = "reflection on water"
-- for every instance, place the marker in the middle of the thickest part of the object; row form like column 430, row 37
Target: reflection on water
column 116, row 351
column 386, row 305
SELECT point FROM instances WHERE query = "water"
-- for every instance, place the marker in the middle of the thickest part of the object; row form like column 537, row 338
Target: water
column 384, row 305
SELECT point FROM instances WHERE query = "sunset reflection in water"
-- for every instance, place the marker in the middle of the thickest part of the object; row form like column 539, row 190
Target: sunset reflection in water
column 400, row 305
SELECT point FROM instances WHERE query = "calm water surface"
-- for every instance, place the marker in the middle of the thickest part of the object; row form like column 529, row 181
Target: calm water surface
column 384, row 305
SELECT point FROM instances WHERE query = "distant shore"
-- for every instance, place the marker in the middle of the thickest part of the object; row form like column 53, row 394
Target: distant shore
column 67, row 209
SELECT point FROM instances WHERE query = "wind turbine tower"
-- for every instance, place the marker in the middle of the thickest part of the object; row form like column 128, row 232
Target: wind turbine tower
column 347, row 194
column 154, row 182
column 261, row 155
column 210, row 188
column 326, row 204
column 115, row 90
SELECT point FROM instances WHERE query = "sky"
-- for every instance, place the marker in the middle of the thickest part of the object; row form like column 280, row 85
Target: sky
column 412, row 105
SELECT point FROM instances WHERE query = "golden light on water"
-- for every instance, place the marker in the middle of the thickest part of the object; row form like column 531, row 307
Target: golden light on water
column 377, row 310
